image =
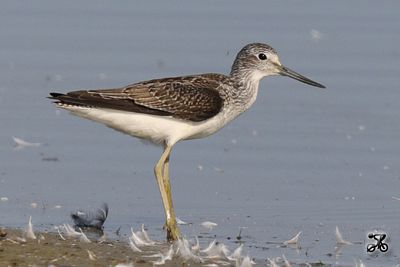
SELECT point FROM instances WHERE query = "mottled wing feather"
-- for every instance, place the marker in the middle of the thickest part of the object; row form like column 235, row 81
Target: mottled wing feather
column 194, row 98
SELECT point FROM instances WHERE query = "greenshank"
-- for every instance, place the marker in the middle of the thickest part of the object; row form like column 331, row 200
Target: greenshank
column 165, row 111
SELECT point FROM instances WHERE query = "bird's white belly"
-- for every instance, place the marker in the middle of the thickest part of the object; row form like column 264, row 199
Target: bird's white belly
column 157, row 129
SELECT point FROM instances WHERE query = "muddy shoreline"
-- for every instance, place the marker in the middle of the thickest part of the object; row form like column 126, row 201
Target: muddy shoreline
column 50, row 249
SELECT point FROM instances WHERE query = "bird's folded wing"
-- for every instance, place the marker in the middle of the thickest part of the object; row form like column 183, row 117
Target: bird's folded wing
column 192, row 98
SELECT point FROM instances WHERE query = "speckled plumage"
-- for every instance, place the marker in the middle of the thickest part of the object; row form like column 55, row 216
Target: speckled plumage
column 194, row 98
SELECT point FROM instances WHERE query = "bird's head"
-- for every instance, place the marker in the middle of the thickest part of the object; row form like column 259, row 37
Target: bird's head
column 258, row 60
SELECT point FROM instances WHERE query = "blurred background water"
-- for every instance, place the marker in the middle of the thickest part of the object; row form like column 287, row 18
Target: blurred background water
column 301, row 159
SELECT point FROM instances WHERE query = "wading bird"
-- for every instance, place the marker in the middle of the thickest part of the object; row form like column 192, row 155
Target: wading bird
column 165, row 111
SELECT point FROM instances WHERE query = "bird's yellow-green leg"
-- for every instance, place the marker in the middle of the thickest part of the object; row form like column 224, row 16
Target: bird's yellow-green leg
column 172, row 225
column 161, row 171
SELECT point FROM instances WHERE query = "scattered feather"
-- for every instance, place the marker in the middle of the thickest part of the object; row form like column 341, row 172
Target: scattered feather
column 237, row 254
column 340, row 239
column 359, row 263
column 29, row 230
column 294, row 240
column 272, row 262
column 209, row 247
column 179, row 221
column 396, row 198
column 137, row 240
column 70, row 231
column 287, row 263
column 216, row 250
column 133, row 246
column 92, row 256
column 83, row 238
column 209, row 225
column 124, row 265
column 386, row 167
column 59, row 233
column 165, row 257
column 141, row 238
column 196, row 247
column 245, row 262
column 145, row 236
column 184, row 251
column 21, row 144
column 316, row 35
column 4, row 199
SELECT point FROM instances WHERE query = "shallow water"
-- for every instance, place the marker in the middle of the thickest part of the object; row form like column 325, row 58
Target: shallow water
column 301, row 159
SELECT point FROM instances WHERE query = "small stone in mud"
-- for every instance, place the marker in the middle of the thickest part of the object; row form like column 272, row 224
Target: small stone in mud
column 3, row 233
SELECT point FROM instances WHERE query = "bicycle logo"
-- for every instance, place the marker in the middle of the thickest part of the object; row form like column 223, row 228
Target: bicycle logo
column 383, row 247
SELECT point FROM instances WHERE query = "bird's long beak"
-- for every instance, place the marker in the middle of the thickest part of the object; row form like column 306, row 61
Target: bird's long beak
column 292, row 74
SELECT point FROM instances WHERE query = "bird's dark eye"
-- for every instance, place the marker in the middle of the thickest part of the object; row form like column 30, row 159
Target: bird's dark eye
column 262, row 56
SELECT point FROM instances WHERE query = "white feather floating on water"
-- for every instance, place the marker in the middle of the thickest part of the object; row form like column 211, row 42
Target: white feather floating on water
column 287, row 263
column 209, row 225
column 245, row 262
column 359, row 263
column 145, row 237
column 180, row 222
column 137, row 240
column 294, row 240
column 237, row 254
column 29, row 230
column 20, row 143
column 165, row 257
column 316, row 35
column 133, row 246
column 340, row 239
column 184, row 251
column 216, row 251
column 272, row 262
column 209, row 247
column 196, row 248
column 141, row 238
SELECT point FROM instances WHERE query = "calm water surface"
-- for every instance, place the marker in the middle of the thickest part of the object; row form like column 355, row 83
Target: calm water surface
column 302, row 159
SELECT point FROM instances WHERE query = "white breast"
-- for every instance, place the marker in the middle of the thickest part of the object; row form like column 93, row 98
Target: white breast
column 157, row 129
